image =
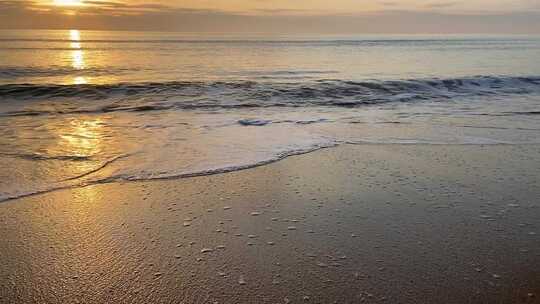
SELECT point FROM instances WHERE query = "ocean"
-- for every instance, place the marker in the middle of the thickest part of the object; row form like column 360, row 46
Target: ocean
column 80, row 107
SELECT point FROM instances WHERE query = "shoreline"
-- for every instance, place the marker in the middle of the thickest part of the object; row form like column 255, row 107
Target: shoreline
column 355, row 223
column 226, row 170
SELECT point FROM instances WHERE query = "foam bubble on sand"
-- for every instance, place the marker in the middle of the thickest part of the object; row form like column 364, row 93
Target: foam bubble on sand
column 254, row 122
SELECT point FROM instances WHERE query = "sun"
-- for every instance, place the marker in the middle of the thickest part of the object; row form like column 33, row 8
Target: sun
column 68, row 2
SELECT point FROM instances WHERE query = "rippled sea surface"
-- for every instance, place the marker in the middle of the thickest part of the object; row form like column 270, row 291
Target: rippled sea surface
column 80, row 107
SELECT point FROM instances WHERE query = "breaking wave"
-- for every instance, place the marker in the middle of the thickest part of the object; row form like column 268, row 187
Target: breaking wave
column 135, row 97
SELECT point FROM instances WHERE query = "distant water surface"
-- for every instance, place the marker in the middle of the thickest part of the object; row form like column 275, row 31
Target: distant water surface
column 82, row 107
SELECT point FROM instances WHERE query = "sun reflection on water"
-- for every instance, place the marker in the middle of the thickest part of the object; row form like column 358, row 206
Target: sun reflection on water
column 77, row 55
column 80, row 80
column 75, row 35
column 80, row 143
column 78, row 59
column 82, row 137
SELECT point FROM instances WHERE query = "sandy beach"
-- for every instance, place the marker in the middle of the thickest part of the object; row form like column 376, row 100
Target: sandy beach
column 269, row 152
column 351, row 224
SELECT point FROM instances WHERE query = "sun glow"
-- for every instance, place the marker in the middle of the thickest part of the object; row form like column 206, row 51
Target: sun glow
column 68, row 2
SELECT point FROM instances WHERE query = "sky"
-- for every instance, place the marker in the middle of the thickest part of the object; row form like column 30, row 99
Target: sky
column 278, row 16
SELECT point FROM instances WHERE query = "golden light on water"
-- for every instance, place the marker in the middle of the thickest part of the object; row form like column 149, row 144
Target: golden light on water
column 77, row 55
column 80, row 57
column 82, row 137
column 80, row 80
column 77, row 58
column 74, row 35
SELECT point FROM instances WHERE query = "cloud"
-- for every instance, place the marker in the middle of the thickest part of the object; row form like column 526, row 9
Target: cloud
column 441, row 4
column 107, row 15
column 109, row 5
column 13, row 5
column 389, row 3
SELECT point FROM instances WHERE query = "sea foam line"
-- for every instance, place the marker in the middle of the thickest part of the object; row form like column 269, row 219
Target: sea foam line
column 278, row 157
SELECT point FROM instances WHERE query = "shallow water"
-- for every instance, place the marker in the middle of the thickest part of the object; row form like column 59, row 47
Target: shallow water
column 82, row 107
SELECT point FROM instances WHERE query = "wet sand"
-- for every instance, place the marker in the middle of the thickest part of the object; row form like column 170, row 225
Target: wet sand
column 352, row 224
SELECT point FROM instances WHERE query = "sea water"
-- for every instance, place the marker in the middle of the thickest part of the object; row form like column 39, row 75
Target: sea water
column 82, row 107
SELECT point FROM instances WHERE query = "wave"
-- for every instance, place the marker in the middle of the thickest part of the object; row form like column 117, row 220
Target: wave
column 525, row 113
column 33, row 71
column 76, row 182
column 137, row 97
column 85, row 179
column 264, row 122
column 36, row 156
